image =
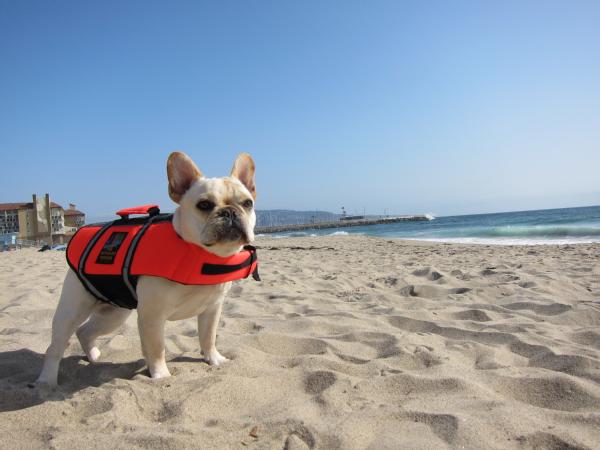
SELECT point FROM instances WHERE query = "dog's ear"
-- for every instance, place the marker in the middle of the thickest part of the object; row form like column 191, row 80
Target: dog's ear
column 182, row 172
column 243, row 169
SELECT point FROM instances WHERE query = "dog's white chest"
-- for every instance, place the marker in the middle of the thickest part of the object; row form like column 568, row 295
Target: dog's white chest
column 173, row 301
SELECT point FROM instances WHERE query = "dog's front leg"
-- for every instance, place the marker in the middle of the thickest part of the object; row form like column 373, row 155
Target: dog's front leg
column 152, row 336
column 208, row 322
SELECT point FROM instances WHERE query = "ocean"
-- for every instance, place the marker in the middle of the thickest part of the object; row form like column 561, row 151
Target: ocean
column 547, row 226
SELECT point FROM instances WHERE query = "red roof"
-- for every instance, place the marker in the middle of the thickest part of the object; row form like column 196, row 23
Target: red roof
column 73, row 212
column 11, row 206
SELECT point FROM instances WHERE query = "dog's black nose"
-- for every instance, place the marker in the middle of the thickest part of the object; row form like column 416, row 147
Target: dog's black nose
column 228, row 213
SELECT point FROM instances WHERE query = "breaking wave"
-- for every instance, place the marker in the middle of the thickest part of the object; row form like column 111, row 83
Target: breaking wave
column 534, row 231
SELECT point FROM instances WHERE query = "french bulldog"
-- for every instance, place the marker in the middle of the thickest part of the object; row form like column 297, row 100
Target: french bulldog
column 214, row 213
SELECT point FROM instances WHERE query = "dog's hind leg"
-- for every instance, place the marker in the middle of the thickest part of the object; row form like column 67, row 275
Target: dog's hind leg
column 105, row 319
column 74, row 307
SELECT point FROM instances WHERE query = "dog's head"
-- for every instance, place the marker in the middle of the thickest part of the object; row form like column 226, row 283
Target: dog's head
column 215, row 213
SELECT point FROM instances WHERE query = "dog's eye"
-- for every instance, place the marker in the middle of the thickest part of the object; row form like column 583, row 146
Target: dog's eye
column 247, row 204
column 205, row 205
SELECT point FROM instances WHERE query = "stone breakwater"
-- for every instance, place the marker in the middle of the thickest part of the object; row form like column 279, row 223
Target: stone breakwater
column 338, row 224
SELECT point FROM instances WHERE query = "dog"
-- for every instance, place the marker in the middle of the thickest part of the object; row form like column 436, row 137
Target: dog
column 216, row 214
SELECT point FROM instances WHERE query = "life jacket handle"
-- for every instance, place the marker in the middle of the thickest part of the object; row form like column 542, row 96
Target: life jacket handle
column 151, row 210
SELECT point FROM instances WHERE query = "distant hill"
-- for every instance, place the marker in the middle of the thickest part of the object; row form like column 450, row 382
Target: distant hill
column 272, row 217
column 264, row 218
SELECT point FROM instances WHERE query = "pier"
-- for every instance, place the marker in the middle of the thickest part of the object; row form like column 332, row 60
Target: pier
column 339, row 224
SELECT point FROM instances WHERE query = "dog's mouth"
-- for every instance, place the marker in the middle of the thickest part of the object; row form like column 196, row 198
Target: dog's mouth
column 227, row 231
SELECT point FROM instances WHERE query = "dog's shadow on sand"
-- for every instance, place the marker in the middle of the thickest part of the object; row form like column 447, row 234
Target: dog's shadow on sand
column 20, row 368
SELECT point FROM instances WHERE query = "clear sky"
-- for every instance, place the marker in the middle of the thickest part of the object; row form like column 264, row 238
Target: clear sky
column 441, row 106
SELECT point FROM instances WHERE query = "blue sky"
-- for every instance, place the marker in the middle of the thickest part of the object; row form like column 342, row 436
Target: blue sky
column 445, row 107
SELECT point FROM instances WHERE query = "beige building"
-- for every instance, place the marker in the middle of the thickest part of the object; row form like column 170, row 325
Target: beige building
column 40, row 220
column 73, row 217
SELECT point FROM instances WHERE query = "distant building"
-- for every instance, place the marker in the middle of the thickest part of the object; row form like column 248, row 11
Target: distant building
column 74, row 217
column 352, row 218
column 39, row 220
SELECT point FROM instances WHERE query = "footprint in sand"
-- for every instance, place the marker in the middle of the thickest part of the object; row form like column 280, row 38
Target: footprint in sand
column 388, row 281
column 547, row 440
column 460, row 275
column 552, row 309
column 281, row 345
column 476, row 315
column 428, row 272
column 444, row 426
column 427, row 291
column 317, row 382
column 590, row 338
column 558, row 392
column 488, row 272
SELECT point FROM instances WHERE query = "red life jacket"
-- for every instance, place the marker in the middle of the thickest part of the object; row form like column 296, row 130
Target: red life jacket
column 109, row 257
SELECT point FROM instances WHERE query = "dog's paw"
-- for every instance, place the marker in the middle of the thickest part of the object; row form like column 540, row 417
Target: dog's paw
column 158, row 374
column 94, row 355
column 216, row 359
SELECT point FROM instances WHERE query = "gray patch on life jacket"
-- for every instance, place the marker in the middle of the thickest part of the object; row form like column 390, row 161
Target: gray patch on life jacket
column 111, row 247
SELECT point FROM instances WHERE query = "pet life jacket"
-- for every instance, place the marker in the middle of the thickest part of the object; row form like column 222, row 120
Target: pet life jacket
column 109, row 257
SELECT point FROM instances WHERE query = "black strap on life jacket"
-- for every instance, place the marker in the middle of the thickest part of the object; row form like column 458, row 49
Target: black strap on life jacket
column 220, row 269
column 129, row 280
column 79, row 271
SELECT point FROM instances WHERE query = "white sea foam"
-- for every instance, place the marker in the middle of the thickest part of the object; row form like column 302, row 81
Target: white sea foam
column 500, row 241
column 288, row 234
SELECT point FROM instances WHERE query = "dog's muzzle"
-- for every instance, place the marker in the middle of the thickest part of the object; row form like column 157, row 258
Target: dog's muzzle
column 228, row 226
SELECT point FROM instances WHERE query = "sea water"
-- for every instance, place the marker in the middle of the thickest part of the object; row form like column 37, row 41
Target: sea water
column 548, row 226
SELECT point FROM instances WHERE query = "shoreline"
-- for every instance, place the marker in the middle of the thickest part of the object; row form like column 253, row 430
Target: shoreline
column 450, row 241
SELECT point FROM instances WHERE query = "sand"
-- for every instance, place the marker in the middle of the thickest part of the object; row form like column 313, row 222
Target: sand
column 348, row 342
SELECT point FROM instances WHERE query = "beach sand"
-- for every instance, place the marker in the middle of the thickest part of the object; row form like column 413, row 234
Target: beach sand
column 348, row 342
